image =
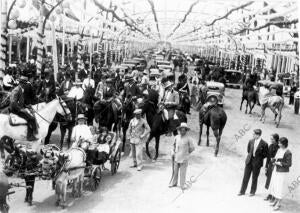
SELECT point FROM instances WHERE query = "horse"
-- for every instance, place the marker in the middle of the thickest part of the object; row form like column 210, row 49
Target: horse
column 158, row 124
column 65, row 122
column 127, row 115
column 22, row 162
column 214, row 117
column 4, row 186
column 274, row 103
column 73, row 165
column 106, row 114
column 44, row 117
column 250, row 95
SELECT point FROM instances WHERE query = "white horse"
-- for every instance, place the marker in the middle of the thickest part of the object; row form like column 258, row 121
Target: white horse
column 72, row 170
column 44, row 114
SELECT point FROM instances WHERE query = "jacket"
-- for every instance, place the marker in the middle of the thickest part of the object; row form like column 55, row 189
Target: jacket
column 171, row 98
column 260, row 153
column 286, row 162
column 17, row 101
column 137, row 132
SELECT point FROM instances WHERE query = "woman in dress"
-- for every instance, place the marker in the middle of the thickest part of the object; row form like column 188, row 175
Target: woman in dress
column 272, row 150
column 282, row 162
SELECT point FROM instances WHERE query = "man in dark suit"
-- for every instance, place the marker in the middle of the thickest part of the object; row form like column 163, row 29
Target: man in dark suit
column 257, row 150
column 17, row 106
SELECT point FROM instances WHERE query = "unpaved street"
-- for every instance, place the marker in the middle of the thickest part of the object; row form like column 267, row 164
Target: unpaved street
column 216, row 181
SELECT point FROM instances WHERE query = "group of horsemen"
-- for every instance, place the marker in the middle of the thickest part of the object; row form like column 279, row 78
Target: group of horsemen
column 113, row 88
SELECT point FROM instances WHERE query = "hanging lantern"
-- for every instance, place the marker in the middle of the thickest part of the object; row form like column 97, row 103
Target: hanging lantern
column 58, row 11
column 12, row 24
column 52, row 18
column 14, row 15
column 66, row 5
column 21, row 3
column 48, row 26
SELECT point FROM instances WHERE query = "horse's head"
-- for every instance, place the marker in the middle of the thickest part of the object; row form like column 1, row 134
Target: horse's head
column 63, row 109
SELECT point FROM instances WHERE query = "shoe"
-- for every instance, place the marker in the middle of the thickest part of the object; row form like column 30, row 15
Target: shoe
column 133, row 166
column 268, row 198
column 251, row 194
column 139, row 168
column 274, row 203
column 171, row 186
column 276, row 208
column 240, row 194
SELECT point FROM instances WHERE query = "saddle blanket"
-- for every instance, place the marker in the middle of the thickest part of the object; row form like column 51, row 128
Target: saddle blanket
column 15, row 120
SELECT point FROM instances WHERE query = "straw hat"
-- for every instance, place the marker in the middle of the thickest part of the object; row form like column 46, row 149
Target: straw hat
column 81, row 117
column 77, row 82
column 137, row 111
column 168, row 84
column 183, row 125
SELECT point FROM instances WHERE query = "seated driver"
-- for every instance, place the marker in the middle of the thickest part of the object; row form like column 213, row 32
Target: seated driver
column 81, row 131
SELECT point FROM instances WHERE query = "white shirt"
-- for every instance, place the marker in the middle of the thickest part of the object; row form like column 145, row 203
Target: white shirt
column 88, row 82
column 255, row 145
column 8, row 80
column 76, row 92
column 82, row 132
column 145, row 79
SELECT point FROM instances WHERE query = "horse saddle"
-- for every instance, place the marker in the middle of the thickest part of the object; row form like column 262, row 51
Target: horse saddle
column 15, row 120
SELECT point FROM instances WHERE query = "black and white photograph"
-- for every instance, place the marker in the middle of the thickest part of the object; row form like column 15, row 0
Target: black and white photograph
column 149, row 106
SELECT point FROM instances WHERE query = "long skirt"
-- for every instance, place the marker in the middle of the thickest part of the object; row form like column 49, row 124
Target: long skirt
column 278, row 187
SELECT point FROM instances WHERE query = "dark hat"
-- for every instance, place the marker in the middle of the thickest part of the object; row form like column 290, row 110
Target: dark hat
column 257, row 131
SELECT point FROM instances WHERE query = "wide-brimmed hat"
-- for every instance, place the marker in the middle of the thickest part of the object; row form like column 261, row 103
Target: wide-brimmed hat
column 137, row 111
column 168, row 84
column 81, row 117
column 23, row 79
column 183, row 125
column 145, row 72
column 128, row 78
column 77, row 82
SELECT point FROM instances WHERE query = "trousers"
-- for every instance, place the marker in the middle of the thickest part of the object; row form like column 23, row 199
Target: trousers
column 179, row 168
column 137, row 154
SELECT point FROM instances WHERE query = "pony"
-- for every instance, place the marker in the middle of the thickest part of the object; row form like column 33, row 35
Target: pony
column 274, row 103
column 73, row 165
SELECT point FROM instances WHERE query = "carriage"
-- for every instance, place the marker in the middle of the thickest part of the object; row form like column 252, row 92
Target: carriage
column 216, row 89
column 93, row 171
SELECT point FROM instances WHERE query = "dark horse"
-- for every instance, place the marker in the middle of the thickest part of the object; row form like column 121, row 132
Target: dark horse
column 250, row 95
column 21, row 162
column 106, row 115
column 3, row 192
column 158, row 125
column 214, row 117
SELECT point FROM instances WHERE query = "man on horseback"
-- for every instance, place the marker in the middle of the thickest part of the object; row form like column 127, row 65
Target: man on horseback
column 17, row 106
column 170, row 101
column 130, row 88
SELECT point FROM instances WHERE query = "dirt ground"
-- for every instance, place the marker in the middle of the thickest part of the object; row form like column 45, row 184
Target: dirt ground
column 216, row 180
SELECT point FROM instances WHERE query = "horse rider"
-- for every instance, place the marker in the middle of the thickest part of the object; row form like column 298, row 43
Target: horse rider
column 145, row 78
column 88, row 82
column 130, row 87
column 101, row 85
column 169, row 102
column 66, row 85
column 183, row 90
column 17, row 106
column 81, row 132
column 8, row 80
column 76, row 91
column 48, row 88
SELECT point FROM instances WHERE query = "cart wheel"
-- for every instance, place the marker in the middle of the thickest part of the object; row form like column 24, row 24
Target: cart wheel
column 115, row 162
column 95, row 178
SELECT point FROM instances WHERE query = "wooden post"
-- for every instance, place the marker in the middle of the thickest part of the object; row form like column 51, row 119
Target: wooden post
column 4, row 31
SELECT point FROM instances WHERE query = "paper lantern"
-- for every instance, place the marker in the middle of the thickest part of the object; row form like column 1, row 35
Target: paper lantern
column 66, row 4
column 52, row 18
column 14, row 14
column 12, row 24
column 58, row 11
column 21, row 3
column 48, row 26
